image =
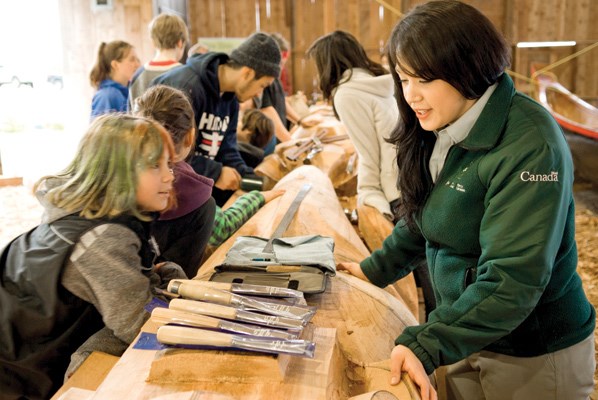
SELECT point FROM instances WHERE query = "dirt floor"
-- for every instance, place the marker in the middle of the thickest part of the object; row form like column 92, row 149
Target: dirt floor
column 21, row 211
column 586, row 219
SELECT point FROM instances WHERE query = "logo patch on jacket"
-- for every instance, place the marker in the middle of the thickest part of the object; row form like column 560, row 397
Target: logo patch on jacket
column 527, row 176
column 454, row 184
column 210, row 144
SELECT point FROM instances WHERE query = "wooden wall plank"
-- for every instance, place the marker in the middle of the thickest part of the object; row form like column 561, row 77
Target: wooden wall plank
column 83, row 29
column 302, row 21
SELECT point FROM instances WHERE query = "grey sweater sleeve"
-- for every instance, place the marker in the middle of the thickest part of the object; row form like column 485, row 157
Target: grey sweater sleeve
column 104, row 269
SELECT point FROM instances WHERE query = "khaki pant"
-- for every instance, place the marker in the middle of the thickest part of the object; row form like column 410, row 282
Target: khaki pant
column 566, row 374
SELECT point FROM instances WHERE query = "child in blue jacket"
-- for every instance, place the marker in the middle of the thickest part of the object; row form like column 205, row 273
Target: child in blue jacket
column 115, row 65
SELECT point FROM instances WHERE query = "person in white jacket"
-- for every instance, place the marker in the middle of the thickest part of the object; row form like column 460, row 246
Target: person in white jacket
column 362, row 94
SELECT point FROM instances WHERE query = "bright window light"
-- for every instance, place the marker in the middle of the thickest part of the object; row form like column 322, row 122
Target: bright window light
column 546, row 44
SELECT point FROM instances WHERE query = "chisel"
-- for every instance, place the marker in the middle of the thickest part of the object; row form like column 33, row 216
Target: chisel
column 268, row 251
column 165, row 316
column 221, row 311
column 180, row 335
column 203, row 293
column 241, row 288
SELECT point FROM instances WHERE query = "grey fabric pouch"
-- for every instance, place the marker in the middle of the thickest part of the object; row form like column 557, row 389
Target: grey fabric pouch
column 301, row 262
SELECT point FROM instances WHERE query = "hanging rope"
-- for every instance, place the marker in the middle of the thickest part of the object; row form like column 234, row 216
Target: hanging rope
column 522, row 77
column 564, row 60
column 531, row 80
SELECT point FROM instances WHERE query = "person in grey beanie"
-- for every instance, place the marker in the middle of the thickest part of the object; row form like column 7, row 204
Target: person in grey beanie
column 215, row 84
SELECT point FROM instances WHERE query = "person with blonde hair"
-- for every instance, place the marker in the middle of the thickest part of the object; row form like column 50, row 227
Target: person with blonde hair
column 170, row 36
column 115, row 65
column 80, row 281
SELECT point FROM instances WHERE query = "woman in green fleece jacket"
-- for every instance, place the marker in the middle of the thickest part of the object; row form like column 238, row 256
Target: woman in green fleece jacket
column 486, row 181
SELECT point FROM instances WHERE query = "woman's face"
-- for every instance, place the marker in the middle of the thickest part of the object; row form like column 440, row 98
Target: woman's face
column 155, row 185
column 123, row 70
column 436, row 103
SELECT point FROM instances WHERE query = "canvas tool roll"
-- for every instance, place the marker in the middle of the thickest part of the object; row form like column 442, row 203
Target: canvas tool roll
column 300, row 262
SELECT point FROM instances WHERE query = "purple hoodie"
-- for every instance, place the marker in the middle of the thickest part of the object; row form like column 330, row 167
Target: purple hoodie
column 192, row 191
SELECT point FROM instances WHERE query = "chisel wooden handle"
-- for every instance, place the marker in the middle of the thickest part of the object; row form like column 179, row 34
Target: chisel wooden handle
column 163, row 316
column 199, row 307
column 248, row 289
column 182, row 335
column 212, row 284
column 199, row 292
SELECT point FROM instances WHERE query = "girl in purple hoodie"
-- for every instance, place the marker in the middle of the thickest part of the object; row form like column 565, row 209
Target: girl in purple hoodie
column 184, row 231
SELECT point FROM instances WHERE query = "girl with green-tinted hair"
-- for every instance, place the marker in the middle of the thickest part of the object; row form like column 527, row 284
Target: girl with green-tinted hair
column 88, row 271
column 103, row 177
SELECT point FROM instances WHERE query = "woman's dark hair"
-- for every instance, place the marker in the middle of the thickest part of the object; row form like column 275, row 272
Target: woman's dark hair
column 170, row 107
column 446, row 40
column 335, row 53
column 260, row 126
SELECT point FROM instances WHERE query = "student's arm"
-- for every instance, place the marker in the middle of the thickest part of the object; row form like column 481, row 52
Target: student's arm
column 282, row 134
column 292, row 115
column 227, row 222
column 105, row 270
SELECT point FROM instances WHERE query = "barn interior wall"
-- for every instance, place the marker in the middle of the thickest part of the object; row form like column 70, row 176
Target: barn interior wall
column 302, row 21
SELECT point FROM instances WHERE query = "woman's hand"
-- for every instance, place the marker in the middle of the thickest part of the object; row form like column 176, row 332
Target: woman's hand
column 353, row 268
column 403, row 359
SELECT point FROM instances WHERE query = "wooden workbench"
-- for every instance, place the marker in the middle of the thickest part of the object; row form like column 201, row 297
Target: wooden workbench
column 354, row 326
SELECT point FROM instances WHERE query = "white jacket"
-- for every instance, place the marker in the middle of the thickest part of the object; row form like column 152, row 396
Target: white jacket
column 366, row 105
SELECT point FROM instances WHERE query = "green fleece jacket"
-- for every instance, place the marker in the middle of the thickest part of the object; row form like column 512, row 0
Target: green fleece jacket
column 498, row 231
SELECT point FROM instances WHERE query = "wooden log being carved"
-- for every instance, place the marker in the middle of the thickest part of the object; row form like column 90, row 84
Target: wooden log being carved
column 374, row 229
column 355, row 323
column 319, row 146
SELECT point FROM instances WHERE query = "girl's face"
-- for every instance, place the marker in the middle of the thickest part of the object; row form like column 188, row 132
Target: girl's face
column 155, row 184
column 436, row 103
column 123, row 70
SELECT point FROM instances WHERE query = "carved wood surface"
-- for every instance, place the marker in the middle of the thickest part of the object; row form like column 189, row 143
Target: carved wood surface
column 366, row 319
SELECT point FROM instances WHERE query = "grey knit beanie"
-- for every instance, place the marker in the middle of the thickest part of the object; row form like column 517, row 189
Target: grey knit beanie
column 259, row 52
